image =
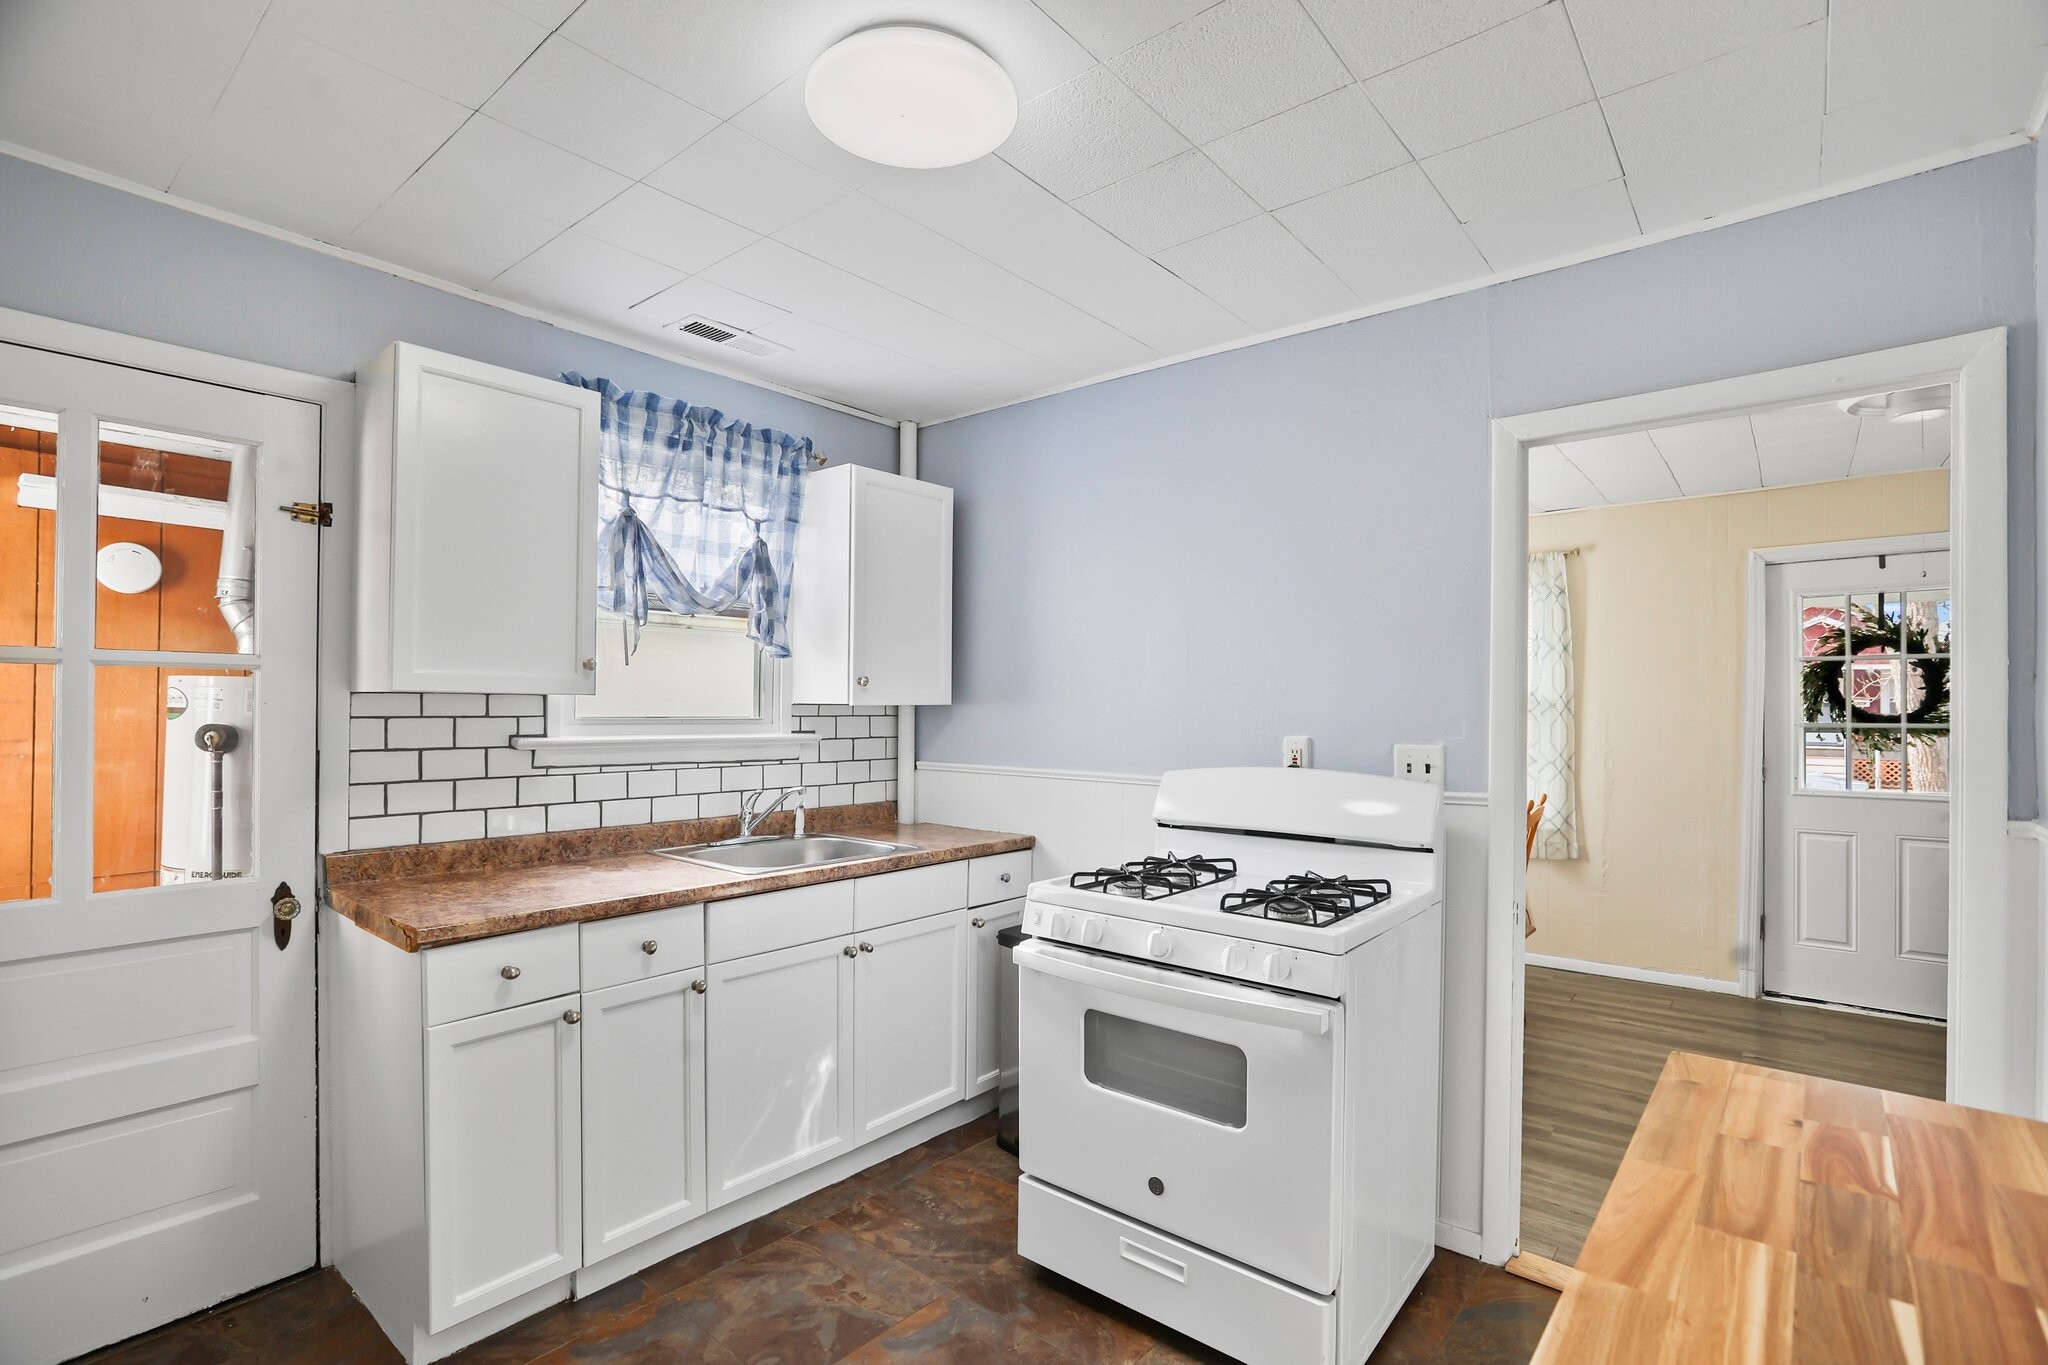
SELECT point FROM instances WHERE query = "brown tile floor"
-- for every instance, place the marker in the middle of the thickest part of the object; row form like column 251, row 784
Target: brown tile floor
column 911, row 1260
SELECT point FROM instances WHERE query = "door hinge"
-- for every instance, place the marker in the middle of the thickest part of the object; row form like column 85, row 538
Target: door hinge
column 310, row 513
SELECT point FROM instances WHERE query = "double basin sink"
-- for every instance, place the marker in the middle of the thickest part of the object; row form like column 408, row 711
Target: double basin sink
column 781, row 852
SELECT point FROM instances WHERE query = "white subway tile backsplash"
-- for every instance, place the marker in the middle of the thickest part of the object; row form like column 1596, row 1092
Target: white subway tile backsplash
column 871, row 791
column 507, row 762
column 651, row 782
column 871, row 748
column 449, row 825
column 454, row 704
column 384, row 765
column 451, row 763
column 852, row 727
column 431, row 732
column 384, row 831
column 601, row 787
column 673, row 808
column 475, row 732
column 546, row 791
column 384, row 704
column 365, row 734
column 365, row 801
column 583, row 816
column 853, row 772
column 633, row 811
column 409, row 798
column 690, row 781
column 516, row 820
column 743, row 779
column 484, row 792
column 718, row 803
column 516, row 704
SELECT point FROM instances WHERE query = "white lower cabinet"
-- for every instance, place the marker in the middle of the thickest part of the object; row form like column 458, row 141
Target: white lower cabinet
column 985, row 992
column 909, row 1029
column 504, row 1174
column 643, row 1110
column 779, row 1033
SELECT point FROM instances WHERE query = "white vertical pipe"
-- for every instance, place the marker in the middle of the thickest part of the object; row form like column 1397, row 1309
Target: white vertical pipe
column 906, row 716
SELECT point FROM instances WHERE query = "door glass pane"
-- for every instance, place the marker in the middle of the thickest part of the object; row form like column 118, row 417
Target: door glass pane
column 171, row 747
column 1821, row 694
column 1874, row 688
column 1927, row 760
column 1824, row 766
column 1820, row 625
column 1197, row 1076
column 1927, row 622
column 164, row 579
column 27, row 708
column 1876, row 762
column 1875, row 616
column 28, row 526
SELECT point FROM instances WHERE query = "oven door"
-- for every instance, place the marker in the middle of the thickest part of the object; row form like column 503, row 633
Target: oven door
column 1207, row 1109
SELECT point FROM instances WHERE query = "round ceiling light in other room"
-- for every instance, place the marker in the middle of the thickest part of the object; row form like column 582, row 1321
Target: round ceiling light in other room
column 126, row 567
column 1902, row 405
column 906, row 95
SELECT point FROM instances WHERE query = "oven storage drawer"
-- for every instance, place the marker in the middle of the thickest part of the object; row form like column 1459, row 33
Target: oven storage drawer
column 1252, row 1317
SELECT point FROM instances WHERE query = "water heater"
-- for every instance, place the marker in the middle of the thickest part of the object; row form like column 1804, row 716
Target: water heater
column 208, row 723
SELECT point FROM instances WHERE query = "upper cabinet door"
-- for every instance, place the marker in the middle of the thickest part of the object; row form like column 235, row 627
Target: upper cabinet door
column 871, row 607
column 477, row 528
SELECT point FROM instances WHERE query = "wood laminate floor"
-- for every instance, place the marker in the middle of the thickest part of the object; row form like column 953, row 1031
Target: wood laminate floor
column 912, row 1260
column 1594, row 1047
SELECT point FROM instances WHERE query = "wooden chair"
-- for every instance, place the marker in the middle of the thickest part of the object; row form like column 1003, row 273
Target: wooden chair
column 1536, row 808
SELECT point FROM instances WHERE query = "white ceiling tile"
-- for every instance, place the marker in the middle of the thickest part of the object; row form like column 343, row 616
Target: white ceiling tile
column 584, row 277
column 1509, row 75
column 1877, row 48
column 578, row 101
column 1627, row 42
column 1626, row 468
column 446, row 227
column 1929, row 120
column 720, row 55
column 1730, row 100
column 1232, row 65
column 847, row 369
column 1810, row 444
column 1382, row 34
column 1555, row 483
column 1330, row 141
column 1717, row 456
column 743, row 179
column 1107, row 29
column 1886, row 447
column 1170, row 203
column 662, row 228
column 1387, row 237
column 963, row 202
column 310, row 140
column 549, row 14
column 124, row 87
column 1781, row 163
column 1550, row 229
column 1088, row 133
column 1539, row 160
column 1261, row 273
column 520, row 170
column 460, row 49
column 702, row 298
column 780, row 119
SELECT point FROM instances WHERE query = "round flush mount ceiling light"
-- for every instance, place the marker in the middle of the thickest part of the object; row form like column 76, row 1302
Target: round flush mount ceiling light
column 906, row 95
column 126, row 567
column 1902, row 405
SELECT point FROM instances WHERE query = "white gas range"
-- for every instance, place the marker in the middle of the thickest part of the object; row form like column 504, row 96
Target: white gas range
column 1228, row 1061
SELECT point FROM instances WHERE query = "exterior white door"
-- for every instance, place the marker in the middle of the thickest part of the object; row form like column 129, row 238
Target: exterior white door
column 156, row 795
column 1857, row 715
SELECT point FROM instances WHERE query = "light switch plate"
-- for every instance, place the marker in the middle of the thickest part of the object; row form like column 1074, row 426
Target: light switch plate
column 1295, row 752
column 1420, row 763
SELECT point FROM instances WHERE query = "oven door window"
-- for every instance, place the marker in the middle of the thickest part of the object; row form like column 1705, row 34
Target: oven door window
column 1197, row 1076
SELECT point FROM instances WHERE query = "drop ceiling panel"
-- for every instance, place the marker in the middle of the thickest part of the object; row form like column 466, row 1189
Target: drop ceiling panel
column 1170, row 203
column 1730, row 100
column 1555, row 483
column 1509, row 75
column 1782, row 163
column 1627, row 468
column 701, row 298
column 445, row 227
column 584, row 277
column 966, row 202
column 1886, row 447
column 1387, row 237
column 1718, row 456
column 1107, row 29
column 845, row 368
column 1551, row 229
column 1539, row 160
column 1088, row 133
column 1232, row 65
column 720, row 55
column 518, row 169
column 745, row 181
column 1628, row 42
column 1880, row 47
column 580, row 102
column 1932, row 119
column 1812, row 444
column 1380, row 36
column 549, row 14
column 780, row 119
column 460, row 49
column 1327, row 142
column 662, row 228
column 1260, row 272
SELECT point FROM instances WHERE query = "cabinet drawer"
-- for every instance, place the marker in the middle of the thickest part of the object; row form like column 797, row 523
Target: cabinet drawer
column 635, row 947
column 465, row 979
column 913, row 893
column 998, row 878
column 746, row 925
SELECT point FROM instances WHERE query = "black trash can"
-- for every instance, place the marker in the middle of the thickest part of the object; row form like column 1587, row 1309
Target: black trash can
column 1006, row 1092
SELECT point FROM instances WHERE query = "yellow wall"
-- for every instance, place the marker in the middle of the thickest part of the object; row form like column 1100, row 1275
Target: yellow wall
column 1658, row 598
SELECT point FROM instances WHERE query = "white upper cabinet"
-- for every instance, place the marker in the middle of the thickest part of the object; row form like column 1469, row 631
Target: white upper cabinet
column 871, row 605
column 476, row 527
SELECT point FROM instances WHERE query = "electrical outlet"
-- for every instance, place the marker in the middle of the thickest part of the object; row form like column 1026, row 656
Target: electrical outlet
column 1420, row 763
column 1294, row 751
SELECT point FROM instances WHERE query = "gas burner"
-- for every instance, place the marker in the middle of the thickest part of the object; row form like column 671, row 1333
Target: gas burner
column 1156, row 878
column 1309, row 898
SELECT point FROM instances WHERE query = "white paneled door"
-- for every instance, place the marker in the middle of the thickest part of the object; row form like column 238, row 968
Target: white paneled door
column 156, row 802
column 1856, row 782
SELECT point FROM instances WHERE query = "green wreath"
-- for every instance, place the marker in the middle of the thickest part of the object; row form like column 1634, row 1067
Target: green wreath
column 1821, row 680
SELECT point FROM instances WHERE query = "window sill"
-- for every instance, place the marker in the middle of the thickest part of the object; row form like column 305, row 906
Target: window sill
column 585, row 751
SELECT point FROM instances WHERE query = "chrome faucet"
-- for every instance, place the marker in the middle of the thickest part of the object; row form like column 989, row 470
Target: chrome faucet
column 751, row 817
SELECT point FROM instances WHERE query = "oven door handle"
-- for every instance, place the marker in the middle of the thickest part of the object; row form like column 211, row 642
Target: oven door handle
column 1150, row 983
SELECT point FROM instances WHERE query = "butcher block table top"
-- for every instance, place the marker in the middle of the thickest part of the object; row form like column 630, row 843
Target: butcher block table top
column 1765, row 1216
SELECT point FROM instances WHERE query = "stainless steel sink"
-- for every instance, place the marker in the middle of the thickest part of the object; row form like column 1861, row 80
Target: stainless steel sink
column 780, row 852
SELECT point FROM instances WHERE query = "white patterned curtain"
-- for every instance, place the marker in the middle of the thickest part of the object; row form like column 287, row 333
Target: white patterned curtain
column 1553, row 702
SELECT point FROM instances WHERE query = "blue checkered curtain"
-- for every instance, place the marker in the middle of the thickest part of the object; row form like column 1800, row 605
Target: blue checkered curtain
column 696, row 513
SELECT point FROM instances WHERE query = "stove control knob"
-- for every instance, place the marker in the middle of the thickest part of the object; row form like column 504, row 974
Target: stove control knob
column 1277, row 968
column 1235, row 957
column 1160, row 944
column 1056, row 927
column 1090, row 930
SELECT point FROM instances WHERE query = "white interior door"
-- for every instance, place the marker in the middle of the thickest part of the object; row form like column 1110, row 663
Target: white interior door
column 156, row 790
column 1857, row 716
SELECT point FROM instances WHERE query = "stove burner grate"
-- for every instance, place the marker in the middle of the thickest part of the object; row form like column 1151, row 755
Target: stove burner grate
column 1156, row 878
column 1309, row 898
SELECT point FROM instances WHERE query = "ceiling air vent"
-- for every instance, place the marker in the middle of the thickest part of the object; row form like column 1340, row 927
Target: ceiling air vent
column 724, row 334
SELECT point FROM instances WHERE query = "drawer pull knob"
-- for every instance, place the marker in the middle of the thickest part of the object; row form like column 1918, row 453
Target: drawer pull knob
column 867, row 947
column 1004, row 878
column 649, row 946
column 850, row 950
column 979, row 922
column 572, row 1016
column 862, row 680
column 699, row 986
column 509, row 972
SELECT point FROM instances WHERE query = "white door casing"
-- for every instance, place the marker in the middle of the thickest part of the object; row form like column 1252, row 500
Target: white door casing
column 1855, row 840
column 157, row 1144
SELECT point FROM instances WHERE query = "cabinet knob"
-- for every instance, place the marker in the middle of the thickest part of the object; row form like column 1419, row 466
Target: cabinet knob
column 572, row 1016
column 867, row 947
column 1003, row 877
column 978, row 922
column 649, row 946
column 862, row 680
column 509, row 972
column 850, row 950
column 699, row 986
column 590, row 665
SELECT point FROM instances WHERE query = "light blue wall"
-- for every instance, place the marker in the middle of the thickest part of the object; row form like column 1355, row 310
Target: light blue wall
column 85, row 253
column 1182, row 566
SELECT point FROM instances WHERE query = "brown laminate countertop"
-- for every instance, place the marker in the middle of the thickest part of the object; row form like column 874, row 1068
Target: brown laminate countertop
column 428, row 911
